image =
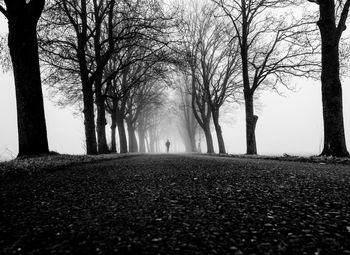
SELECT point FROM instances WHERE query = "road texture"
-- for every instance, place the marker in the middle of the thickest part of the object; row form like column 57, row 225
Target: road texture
column 178, row 204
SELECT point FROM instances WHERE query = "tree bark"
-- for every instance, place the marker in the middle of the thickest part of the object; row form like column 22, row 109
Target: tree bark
column 113, row 139
column 101, row 123
column 152, row 140
column 133, row 146
column 332, row 100
column 248, row 92
column 142, row 138
column 89, row 116
column 100, row 99
column 22, row 41
column 209, row 139
column 113, row 132
column 122, row 134
column 88, row 93
column 218, row 130
column 191, row 132
column 251, row 121
column 147, row 143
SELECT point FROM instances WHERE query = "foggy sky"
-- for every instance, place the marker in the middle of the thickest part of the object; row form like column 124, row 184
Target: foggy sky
column 290, row 124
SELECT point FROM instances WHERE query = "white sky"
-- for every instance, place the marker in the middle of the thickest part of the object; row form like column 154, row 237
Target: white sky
column 291, row 124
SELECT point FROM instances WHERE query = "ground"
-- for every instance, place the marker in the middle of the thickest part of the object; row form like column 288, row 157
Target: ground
column 178, row 204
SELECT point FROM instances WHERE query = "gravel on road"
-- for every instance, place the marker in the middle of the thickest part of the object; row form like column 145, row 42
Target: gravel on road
column 178, row 204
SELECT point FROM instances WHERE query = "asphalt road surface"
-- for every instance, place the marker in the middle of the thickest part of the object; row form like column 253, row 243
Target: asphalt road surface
column 178, row 204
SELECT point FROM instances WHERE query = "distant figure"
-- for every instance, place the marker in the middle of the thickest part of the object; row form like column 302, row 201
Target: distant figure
column 167, row 144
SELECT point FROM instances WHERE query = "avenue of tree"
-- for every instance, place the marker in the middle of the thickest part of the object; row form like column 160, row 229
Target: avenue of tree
column 144, row 67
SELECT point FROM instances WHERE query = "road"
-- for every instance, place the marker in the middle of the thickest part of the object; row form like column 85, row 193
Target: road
column 178, row 204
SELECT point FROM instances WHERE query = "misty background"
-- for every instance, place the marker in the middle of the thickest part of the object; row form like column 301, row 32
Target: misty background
column 291, row 123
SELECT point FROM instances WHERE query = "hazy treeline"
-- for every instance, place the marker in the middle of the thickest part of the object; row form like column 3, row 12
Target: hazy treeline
column 146, row 67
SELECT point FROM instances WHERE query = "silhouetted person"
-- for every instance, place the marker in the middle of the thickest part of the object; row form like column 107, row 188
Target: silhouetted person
column 167, row 144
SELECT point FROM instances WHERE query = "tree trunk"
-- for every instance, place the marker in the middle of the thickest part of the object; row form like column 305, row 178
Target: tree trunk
column 152, row 141
column 122, row 134
column 113, row 132
column 218, row 130
column 113, row 139
column 147, row 143
column 251, row 121
column 88, row 100
column 101, row 123
column 133, row 147
column 209, row 139
column 248, row 92
column 332, row 100
column 89, row 118
column 22, row 41
column 142, row 139
column 192, row 138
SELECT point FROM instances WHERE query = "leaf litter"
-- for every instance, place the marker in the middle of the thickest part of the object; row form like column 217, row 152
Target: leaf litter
column 153, row 204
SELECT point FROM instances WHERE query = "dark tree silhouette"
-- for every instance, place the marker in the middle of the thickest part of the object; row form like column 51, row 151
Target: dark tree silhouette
column 332, row 28
column 155, row 122
column 81, row 38
column 77, row 40
column 272, row 48
column 117, row 96
column 189, row 53
column 144, row 97
column 202, row 111
column 218, row 66
column 187, row 123
column 23, row 17
column 104, row 27
column 146, row 125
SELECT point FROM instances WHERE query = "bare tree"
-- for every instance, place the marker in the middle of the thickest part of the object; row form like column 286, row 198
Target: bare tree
column 23, row 17
column 211, row 56
column 118, row 92
column 85, row 36
column 72, row 44
column 217, row 71
column 189, row 53
column 188, row 122
column 130, row 91
column 273, row 45
column 145, row 123
column 201, row 110
column 332, row 24
column 145, row 98
column 183, row 113
column 148, row 93
column 153, row 133
column 123, row 66
column 116, row 104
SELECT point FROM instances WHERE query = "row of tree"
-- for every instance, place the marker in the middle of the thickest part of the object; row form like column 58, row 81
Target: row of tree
column 232, row 49
column 115, row 58
column 110, row 56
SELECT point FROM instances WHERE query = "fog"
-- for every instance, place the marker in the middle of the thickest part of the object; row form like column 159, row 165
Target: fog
column 289, row 124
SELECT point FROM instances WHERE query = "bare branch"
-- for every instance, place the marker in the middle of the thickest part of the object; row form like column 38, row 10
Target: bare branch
column 3, row 11
column 343, row 17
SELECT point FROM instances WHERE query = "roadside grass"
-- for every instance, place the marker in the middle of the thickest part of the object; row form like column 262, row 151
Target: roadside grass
column 287, row 157
column 32, row 165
